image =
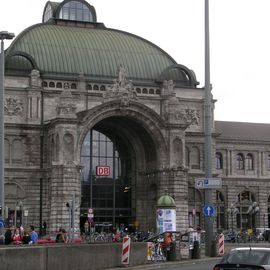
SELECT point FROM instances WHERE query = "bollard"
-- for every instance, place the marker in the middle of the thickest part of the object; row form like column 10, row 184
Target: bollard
column 196, row 252
column 125, row 250
column 213, row 251
column 221, row 240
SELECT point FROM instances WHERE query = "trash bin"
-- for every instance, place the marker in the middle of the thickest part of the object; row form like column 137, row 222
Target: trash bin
column 171, row 252
column 196, row 252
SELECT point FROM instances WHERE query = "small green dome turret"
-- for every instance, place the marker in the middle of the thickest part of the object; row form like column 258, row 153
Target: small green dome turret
column 166, row 201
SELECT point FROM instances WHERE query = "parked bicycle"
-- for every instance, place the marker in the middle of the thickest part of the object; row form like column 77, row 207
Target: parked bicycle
column 158, row 253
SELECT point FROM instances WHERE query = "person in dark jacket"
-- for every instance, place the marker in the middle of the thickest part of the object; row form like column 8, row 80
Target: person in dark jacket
column 26, row 238
column 8, row 236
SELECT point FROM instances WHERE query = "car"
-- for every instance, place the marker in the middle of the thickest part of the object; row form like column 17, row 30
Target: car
column 51, row 239
column 245, row 258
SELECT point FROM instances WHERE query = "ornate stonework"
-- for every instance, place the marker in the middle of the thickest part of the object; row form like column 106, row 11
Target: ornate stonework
column 121, row 89
column 13, row 106
column 66, row 106
column 35, row 78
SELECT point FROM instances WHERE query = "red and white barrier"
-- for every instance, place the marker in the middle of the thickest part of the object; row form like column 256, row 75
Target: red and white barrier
column 221, row 248
column 125, row 250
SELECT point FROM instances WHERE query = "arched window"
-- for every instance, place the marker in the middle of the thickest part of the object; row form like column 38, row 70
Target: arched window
column 76, row 11
column 194, row 158
column 219, row 161
column 73, row 86
column 59, row 85
column 96, row 87
column 151, row 91
column 247, row 210
column 138, row 90
column 88, row 86
column 144, row 91
column 249, row 162
column 52, row 84
column 158, row 92
column 240, row 162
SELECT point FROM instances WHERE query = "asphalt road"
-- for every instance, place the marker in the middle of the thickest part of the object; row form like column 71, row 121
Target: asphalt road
column 190, row 265
column 200, row 264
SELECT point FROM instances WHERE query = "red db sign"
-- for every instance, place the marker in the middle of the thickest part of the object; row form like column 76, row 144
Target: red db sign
column 102, row 170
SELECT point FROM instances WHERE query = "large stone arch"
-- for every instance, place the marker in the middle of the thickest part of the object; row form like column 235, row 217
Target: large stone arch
column 146, row 133
column 139, row 113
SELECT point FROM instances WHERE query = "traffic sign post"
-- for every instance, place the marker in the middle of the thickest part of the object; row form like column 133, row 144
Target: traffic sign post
column 208, row 183
column 209, row 210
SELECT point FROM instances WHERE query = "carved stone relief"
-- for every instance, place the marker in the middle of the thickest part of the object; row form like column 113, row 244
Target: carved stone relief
column 13, row 106
column 121, row 89
column 66, row 106
column 172, row 110
column 35, row 78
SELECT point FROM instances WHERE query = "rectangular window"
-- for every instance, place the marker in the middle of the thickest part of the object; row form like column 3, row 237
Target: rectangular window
column 65, row 13
column 72, row 15
column 79, row 15
column 30, row 107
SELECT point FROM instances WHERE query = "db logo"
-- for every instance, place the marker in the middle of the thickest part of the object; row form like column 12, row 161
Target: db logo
column 102, row 170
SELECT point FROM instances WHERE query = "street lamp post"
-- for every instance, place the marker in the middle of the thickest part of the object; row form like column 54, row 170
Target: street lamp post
column 232, row 210
column 209, row 239
column 253, row 209
column 3, row 35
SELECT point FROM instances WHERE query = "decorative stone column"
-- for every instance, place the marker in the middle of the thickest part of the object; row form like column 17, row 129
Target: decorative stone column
column 65, row 168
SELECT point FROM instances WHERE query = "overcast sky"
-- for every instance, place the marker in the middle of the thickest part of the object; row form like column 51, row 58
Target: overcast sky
column 239, row 43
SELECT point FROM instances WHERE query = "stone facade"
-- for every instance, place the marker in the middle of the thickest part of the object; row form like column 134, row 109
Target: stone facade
column 159, row 120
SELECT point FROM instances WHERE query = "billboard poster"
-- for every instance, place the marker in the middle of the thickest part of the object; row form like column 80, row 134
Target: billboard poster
column 166, row 220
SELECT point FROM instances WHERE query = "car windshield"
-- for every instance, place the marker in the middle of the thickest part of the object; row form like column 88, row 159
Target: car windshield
column 249, row 256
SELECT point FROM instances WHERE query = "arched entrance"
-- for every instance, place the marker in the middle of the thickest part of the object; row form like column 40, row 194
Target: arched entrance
column 127, row 148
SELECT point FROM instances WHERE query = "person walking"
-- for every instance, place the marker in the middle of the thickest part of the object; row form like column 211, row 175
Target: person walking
column 8, row 236
column 33, row 235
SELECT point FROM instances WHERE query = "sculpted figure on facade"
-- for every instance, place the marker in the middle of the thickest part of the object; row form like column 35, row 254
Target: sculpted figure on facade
column 13, row 106
column 121, row 76
column 35, row 78
column 66, row 106
column 121, row 89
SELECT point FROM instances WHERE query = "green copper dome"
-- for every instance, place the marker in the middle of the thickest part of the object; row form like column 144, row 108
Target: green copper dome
column 166, row 201
column 70, row 42
column 96, row 53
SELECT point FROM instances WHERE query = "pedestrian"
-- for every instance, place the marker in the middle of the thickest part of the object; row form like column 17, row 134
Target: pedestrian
column 190, row 229
column 17, row 239
column 2, row 239
column 33, row 235
column 44, row 227
column 61, row 237
column 86, row 227
column 8, row 236
column 26, row 238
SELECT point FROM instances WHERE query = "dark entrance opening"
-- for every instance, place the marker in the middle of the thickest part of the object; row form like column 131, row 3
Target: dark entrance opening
column 107, row 181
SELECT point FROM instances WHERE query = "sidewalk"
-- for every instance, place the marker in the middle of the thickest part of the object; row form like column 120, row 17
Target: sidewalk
column 166, row 264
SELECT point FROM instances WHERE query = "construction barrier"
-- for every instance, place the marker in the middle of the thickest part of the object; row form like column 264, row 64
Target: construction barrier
column 221, row 247
column 125, row 250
